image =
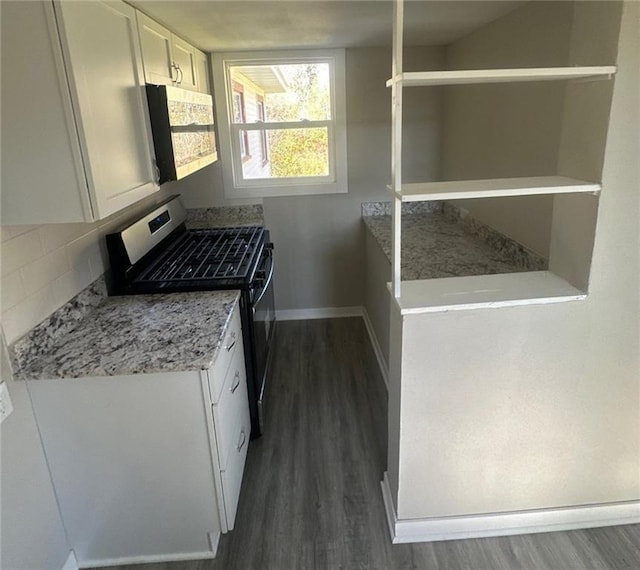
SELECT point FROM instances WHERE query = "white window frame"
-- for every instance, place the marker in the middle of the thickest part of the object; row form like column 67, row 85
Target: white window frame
column 235, row 186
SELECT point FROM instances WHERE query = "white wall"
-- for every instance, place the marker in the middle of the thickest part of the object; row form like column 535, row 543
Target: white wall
column 536, row 406
column 43, row 266
column 505, row 130
column 319, row 240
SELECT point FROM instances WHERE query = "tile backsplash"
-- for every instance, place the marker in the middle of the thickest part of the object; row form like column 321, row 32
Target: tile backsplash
column 44, row 266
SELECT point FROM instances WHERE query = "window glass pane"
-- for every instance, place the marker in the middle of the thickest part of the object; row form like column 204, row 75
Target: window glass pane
column 289, row 153
column 244, row 144
column 290, row 92
column 238, row 107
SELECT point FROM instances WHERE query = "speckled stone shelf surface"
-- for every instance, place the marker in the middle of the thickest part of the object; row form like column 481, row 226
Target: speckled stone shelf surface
column 136, row 334
column 224, row 216
column 446, row 243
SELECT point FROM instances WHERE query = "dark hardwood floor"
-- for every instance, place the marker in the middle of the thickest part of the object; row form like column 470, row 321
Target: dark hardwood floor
column 311, row 492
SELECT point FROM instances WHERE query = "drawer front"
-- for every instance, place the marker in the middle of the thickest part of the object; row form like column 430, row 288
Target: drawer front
column 231, row 344
column 232, row 475
column 232, row 408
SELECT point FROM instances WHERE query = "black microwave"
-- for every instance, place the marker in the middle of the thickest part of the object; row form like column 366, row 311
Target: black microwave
column 183, row 131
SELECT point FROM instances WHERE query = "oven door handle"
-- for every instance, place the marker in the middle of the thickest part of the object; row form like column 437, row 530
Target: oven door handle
column 265, row 286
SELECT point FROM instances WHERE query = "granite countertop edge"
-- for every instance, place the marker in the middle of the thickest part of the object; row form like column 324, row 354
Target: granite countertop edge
column 141, row 347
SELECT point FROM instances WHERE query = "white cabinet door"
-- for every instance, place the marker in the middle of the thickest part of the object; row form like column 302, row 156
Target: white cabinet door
column 130, row 461
column 155, row 41
column 184, row 56
column 104, row 66
column 42, row 175
column 202, row 72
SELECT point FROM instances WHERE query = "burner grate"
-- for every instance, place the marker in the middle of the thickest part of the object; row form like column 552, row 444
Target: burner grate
column 207, row 255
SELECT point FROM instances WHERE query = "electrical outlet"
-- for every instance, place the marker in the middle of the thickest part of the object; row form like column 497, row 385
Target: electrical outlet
column 6, row 407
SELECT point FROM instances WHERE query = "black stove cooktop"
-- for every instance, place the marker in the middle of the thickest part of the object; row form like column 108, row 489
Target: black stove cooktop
column 206, row 255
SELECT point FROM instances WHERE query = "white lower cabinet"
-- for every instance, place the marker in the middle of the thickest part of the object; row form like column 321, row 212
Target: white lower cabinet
column 232, row 427
column 230, row 417
column 232, row 474
column 147, row 467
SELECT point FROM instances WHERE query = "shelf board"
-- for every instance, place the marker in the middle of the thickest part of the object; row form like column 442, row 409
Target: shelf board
column 494, row 188
column 473, row 76
column 484, row 291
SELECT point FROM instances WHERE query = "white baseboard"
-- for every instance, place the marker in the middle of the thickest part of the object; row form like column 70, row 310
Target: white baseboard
column 178, row 557
column 376, row 347
column 505, row 524
column 71, row 563
column 214, row 541
column 389, row 508
column 319, row 313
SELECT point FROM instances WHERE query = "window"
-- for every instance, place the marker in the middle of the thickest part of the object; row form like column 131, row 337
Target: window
column 282, row 122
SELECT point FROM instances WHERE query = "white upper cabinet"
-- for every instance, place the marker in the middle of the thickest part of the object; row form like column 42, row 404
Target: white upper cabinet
column 169, row 60
column 184, row 56
column 202, row 72
column 100, row 42
column 76, row 136
column 156, row 40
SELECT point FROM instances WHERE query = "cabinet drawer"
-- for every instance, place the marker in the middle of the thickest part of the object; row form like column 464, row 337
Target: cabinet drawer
column 232, row 475
column 231, row 343
column 232, row 409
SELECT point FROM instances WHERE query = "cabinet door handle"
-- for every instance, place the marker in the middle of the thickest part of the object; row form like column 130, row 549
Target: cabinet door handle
column 242, row 440
column 181, row 74
column 175, row 66
column 236, row 383
column 233, row 338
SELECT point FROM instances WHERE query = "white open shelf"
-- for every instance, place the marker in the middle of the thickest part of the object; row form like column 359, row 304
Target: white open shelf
column 484, row 291
column 494, row 188
column 472, row 76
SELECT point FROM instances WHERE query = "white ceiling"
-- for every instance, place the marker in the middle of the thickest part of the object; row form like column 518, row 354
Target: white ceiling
column 217, row 25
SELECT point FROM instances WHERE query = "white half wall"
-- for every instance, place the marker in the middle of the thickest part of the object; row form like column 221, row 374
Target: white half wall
column 534, row 407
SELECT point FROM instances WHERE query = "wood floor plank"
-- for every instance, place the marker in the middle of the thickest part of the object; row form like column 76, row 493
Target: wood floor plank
column 618, row 546
column 310, row 497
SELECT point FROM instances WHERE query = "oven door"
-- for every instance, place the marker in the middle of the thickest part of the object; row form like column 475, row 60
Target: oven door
column 264, row 318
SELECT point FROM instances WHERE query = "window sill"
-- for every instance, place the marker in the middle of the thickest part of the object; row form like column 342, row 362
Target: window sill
column 289, row 189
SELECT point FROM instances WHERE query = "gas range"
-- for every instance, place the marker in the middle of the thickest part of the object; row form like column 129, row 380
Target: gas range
column 157, row 253
column 212, row 258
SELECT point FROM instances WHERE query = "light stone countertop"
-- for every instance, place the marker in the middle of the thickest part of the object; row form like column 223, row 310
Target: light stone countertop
column 434, row 246
column 225, row 216
column 138, row 334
